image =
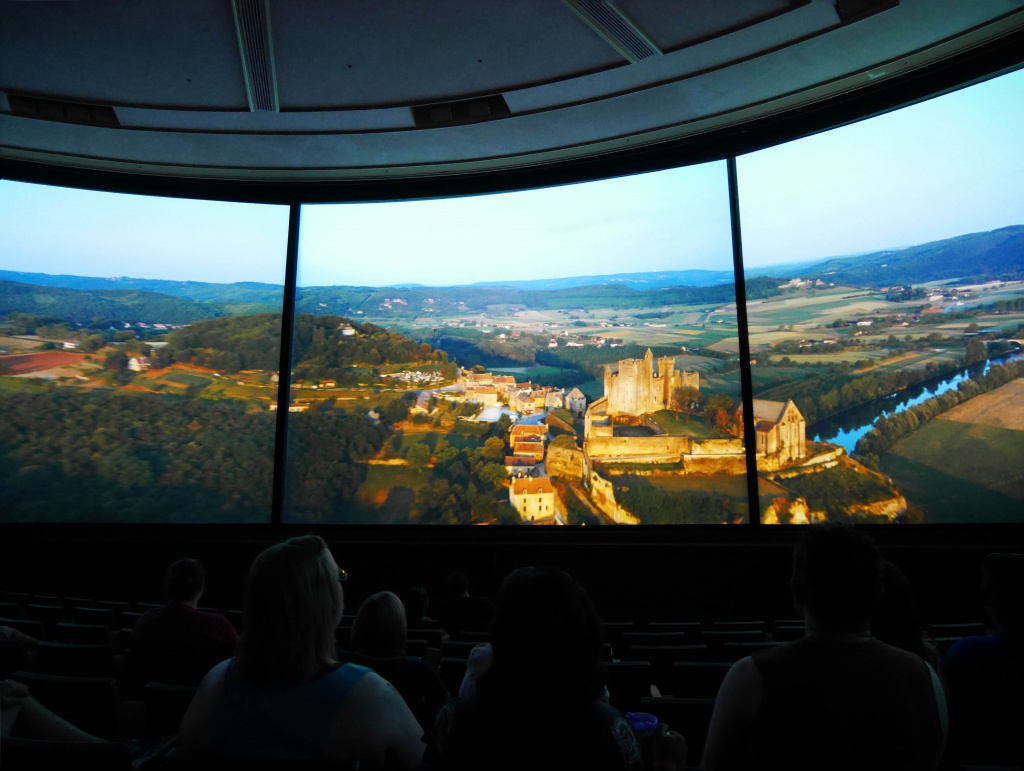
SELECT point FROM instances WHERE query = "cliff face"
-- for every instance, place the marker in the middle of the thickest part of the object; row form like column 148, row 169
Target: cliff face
column 565, row 462
column 796, row 512
column 889, row 509
column 602, row 493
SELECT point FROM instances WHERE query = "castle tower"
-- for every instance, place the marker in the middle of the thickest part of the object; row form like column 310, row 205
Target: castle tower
column 669, row 380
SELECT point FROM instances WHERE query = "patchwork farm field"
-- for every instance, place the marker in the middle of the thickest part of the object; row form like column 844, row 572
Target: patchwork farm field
column 1002, row 408
column 964, row 465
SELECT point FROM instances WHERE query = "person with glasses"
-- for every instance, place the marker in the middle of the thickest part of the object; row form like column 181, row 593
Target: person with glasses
column 284, row 695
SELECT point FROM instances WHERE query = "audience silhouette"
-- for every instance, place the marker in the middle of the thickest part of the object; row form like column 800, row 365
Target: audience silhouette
column 178, row 643
column 837, row 698
column 986, row 673
column 461, row 611
column 540, row 701
column 378, row 642
column 284, row 695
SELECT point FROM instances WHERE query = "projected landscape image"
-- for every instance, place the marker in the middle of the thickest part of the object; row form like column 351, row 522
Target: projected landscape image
column 583, row 370
column 899, row 342
column 565, row 356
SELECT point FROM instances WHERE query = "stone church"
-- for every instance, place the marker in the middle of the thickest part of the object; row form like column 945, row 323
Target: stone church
column 643, row 386
column 780, row 429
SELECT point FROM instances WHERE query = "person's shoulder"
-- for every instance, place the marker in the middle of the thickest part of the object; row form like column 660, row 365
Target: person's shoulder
column 217, row 674
column 150, row 618
column 969, row 647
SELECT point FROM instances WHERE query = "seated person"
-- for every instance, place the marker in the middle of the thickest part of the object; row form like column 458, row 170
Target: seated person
column 462, row 612
column 896, row 619
column 837, row 698
column 986, row 673
column 283, row 695
column 416, row 601
column 178, row 643
column 378, row 643
column 541, row 702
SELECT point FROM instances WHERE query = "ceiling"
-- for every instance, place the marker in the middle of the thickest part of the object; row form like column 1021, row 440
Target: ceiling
column 280, row 91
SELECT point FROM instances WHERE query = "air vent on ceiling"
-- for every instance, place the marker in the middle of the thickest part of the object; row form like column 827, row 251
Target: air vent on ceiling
column 615, row 28
column 256, row 44
column 65, row 112
column 461, row 113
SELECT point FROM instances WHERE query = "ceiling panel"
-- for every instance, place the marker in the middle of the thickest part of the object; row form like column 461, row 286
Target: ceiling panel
column 408, row 52
column 171, row 53
column 673, row 24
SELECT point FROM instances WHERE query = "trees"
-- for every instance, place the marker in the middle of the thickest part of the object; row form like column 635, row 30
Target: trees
column 718, row 410
column 976, row 351
column 418, row 455
column 116, row 361
column 493, row 450
column 685, row 399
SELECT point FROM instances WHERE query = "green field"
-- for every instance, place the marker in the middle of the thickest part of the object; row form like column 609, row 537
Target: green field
column 385, row 497
column 529, row 372
column 697, row 427
column 946, row 498
column 22, row 385
column 185, row 379
column 958, row 472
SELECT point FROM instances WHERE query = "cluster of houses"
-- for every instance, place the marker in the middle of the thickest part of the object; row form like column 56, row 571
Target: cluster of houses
column 530, row 493
column 490, row 390
column 414, row 377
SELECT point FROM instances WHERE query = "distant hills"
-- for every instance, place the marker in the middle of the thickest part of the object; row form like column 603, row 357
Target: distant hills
column 994, row 254
column 990, row 255
column 82, row 306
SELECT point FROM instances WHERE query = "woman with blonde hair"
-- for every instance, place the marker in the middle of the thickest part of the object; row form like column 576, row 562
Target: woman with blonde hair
column 284, row 695
column 378, row 642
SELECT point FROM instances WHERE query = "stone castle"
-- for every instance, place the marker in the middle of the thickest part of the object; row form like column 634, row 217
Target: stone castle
column 640, row 387
column 619, row 426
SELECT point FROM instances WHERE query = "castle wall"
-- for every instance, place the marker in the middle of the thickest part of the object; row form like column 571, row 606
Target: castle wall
column 635, row 447
column 714, row 464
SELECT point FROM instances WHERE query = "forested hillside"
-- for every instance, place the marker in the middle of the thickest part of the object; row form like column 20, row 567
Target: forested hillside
column 975, row 256
column 91, row 307
column 321, row 349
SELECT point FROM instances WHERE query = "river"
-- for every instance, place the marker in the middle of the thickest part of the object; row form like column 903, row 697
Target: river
column 850, row 425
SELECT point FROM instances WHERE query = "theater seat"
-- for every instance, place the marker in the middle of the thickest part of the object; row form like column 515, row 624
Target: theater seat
column 83, row 634
column 75, row 660
column 452, row 672
column 698, row 679
column 629, row 682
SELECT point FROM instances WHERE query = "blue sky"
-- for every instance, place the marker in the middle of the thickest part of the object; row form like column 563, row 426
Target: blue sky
column 949, row 166
column 942, row 168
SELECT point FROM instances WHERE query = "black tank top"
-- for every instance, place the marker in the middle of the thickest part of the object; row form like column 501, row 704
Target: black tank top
column 844, row 704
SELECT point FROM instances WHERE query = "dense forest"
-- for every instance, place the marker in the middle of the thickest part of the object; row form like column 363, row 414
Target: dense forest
column 146, row 458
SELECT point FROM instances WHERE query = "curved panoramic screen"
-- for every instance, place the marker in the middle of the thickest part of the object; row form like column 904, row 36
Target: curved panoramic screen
column 138, row 341
column 558, row 356
column 565, row 356
column 888, row 380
